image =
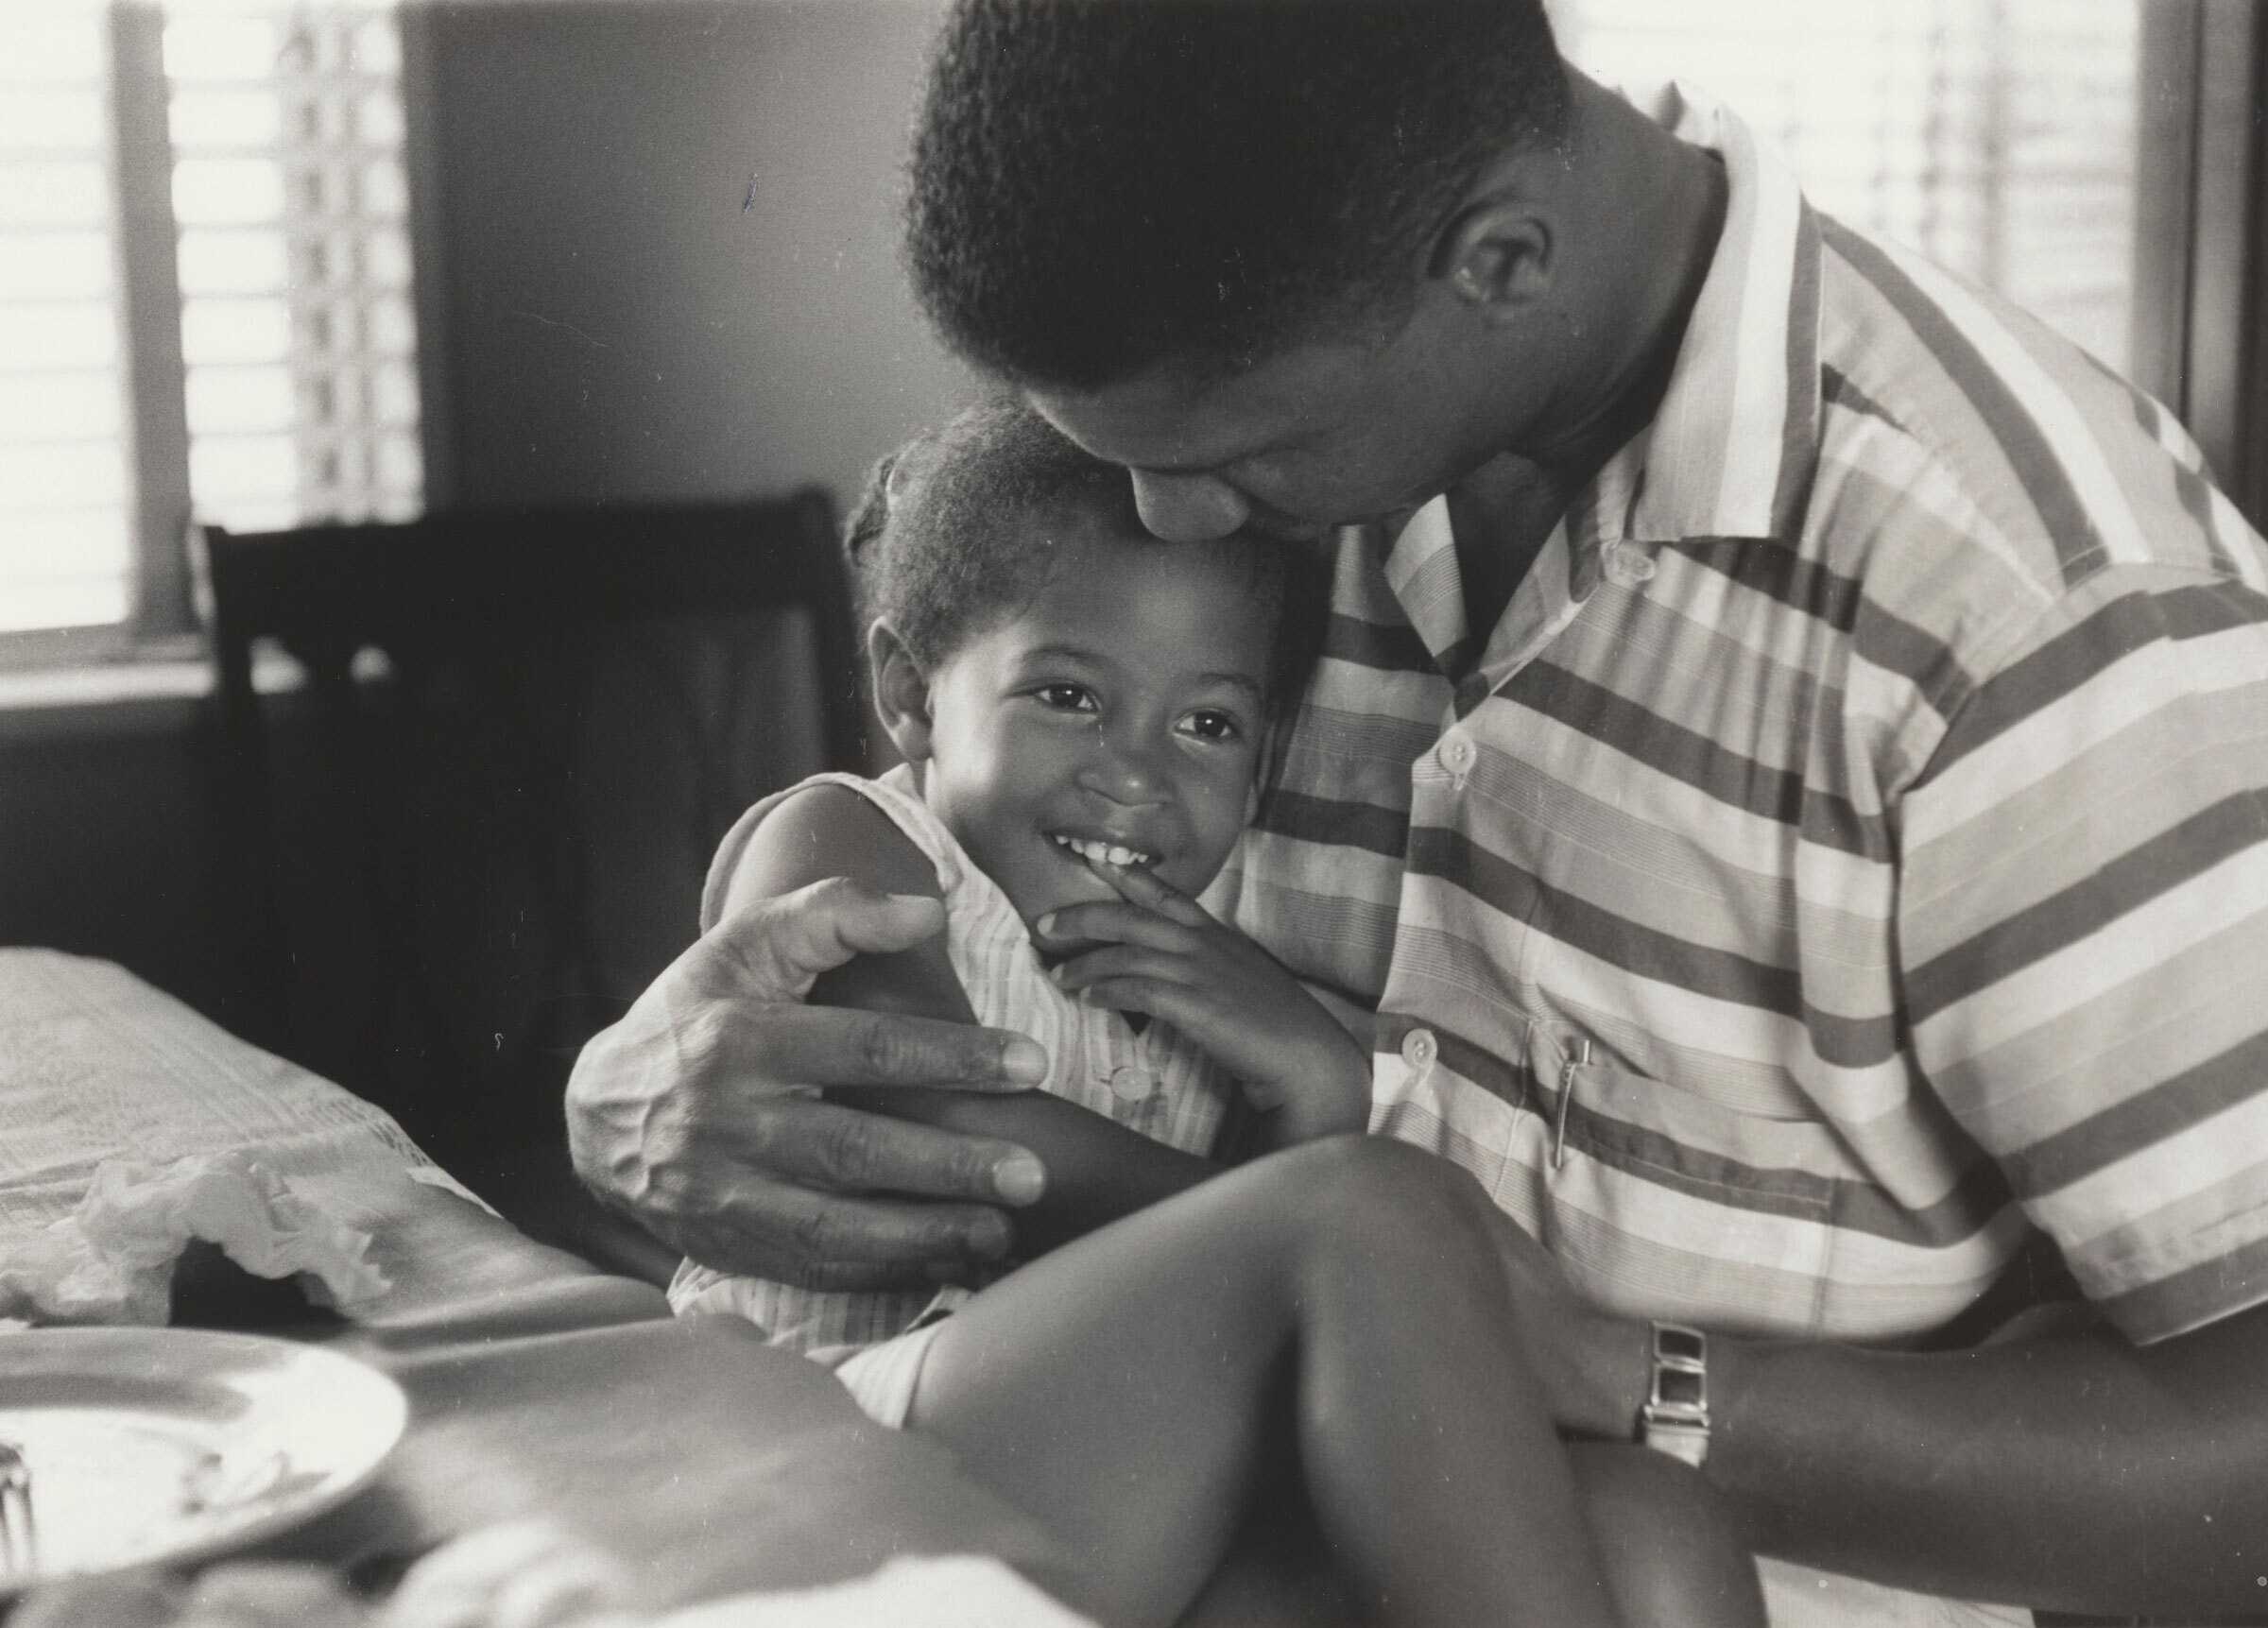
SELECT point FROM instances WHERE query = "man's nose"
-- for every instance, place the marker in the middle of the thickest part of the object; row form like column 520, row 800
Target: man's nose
column 1188, row 508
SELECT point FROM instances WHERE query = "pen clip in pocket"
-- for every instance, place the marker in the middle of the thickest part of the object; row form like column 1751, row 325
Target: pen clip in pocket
column 1578, row 1058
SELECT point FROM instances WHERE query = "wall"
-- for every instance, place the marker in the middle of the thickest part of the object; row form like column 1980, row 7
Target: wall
column 602, row 320
column 107, row 842
column 666, row 255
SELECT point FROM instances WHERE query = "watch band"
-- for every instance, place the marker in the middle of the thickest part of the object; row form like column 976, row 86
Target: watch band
column 1675, row 1419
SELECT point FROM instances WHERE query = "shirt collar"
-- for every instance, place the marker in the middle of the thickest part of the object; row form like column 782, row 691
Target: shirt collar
column 1731, row 450
column 1733, row 446
column 1421, row 569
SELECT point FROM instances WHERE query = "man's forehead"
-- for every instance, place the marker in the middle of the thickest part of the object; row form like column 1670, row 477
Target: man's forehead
column 1174, row 420
column 1144, row 423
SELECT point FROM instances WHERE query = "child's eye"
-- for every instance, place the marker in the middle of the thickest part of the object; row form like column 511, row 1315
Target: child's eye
column 1207, row 725
column 1067, row 697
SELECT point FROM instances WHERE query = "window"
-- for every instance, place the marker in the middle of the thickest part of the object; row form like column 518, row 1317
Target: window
column 205, row 292
column 65, row 481
column 299, row 345
column 1998, row 140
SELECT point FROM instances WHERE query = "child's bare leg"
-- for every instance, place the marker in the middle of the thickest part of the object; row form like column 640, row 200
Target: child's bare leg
column 1119, row 1390
column 1672, row 1551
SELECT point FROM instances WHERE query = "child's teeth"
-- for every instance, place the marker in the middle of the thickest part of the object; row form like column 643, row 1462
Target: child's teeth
column 1109, row 854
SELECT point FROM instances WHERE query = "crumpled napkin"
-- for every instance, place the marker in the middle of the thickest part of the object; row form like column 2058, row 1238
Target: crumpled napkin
column 112, row 1259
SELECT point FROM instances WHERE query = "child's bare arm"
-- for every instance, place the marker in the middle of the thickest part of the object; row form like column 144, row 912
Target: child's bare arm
column 1160, row 953
column 1097, row 1171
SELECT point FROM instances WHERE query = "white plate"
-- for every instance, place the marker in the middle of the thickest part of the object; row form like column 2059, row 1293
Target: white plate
column 179, row 1443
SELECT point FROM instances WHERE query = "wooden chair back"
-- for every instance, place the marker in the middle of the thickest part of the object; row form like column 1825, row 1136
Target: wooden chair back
column 475, row 825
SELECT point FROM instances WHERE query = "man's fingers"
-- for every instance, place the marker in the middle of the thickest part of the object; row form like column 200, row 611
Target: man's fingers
column 846, row 1199
column 780, row 945
column 838, row 1046
column 804, row 1141
column 840, row 1241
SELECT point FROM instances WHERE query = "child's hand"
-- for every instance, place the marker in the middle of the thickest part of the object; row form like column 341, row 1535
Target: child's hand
column 1160, row 953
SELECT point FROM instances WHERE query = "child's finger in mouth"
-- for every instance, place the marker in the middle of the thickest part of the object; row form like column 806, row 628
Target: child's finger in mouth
column 1140, row 885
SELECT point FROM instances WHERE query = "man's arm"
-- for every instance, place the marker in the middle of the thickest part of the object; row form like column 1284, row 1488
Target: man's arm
column 2079, row 925
column 723, row 1198
column 2075, row 1472
column 1096, row 1169
column 2078, row 1472
column 690, row 1113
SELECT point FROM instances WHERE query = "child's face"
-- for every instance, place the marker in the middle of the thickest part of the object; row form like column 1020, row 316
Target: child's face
column 1121, row 707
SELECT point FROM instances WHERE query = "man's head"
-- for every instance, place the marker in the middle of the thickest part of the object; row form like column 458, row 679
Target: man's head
column 1103, row 187
column 1292, row 262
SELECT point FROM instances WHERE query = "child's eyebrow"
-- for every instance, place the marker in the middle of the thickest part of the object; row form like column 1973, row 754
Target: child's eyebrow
column 1063, row 653
column 1244, row 681
column 1086, row 658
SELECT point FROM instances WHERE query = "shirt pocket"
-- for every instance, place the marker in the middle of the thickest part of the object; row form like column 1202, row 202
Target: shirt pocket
column 1667, row 1201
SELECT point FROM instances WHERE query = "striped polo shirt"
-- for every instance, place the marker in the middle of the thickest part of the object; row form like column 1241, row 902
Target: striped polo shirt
column 1847, row 861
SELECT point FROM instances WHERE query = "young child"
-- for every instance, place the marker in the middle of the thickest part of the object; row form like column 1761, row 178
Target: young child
column 1083, row 712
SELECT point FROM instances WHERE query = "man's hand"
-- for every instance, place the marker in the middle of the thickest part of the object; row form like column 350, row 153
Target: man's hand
column 699, row 1115
column 1158, row 952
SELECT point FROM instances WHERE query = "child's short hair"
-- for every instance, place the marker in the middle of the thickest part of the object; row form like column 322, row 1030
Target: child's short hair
column 943, row 544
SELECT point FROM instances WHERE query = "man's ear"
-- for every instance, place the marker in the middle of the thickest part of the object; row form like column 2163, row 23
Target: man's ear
column 1497, row 254
column 901, row 692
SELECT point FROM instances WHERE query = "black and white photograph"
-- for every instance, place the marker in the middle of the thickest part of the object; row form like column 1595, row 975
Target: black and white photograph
column 1133, row 813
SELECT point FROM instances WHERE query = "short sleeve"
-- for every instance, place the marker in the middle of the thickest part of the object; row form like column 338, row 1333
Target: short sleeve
column 2083, row 922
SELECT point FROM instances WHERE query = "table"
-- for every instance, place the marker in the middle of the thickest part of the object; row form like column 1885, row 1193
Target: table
column 706, row 1464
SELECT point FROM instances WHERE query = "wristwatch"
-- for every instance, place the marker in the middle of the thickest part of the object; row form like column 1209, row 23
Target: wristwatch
column 1675, row 1419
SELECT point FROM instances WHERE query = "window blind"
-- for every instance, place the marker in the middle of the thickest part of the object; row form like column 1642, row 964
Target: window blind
column 65, row 481
column 297, row 340
column 1999, row 137
column 283, row 174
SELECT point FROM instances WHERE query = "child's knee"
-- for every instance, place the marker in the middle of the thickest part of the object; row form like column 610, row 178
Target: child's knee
column 1368, row 1209
column 1669, row 1541
column 1373, row 1189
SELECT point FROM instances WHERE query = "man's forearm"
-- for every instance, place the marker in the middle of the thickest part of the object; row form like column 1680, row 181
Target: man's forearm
column 2070, row 1471
column 2073, row 1472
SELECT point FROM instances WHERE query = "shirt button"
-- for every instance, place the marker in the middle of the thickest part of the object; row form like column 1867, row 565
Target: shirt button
column 1420, row 1048
column 1626, row 564
column 1457, row 754
column 1132, row 1085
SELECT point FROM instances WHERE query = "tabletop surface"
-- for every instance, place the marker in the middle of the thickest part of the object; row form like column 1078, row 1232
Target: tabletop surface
column 706, row 1463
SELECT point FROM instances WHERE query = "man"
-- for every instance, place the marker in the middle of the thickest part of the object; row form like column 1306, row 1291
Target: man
column 1787, row 775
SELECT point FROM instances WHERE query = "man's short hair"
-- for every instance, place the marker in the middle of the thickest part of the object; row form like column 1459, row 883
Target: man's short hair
column 1099, row 186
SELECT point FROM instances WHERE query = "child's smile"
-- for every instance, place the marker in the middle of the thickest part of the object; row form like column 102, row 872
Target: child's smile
column 1116, row 719
column 1104, row 852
